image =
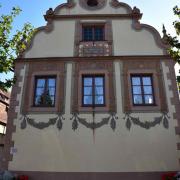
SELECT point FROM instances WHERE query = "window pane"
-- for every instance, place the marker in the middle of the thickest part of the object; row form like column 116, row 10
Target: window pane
column 99, row 81
column 137, row 99
column 148, row 99
column 137, row 90
column 51, row 91
column 87, row 81
column 147, row 89
column 99, row 100
column 87, row 100
column 99, row 91
column 146, row 81
column 88, row 33
column 136, row 81
column 98, row 33
column 87, row 90
column 51, row 82
column 38, row 100
column 39, row 91
column 40, row 82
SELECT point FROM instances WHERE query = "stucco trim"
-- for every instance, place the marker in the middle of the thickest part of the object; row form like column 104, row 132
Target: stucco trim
column 70, row 4
column 12, row 115
column 101, row 4
column 117, row 4
column 38, row 69
column 175, row 99
column 99, row 58
column 142, row 67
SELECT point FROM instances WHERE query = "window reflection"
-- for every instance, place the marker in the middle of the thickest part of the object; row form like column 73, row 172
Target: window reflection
column 142, row 90
column 93, row 90
column 45, row 91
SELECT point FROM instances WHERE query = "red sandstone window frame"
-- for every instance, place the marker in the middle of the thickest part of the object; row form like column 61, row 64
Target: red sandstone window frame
column 142, row 89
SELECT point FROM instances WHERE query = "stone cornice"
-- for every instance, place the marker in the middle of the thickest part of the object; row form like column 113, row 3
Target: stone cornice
column 99, row 58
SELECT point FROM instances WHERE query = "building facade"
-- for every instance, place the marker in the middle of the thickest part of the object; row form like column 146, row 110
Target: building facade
column 4, row 105
column 95, row 98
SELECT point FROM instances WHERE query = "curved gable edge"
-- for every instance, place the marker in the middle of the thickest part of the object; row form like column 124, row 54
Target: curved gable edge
column 70, row 4
column 134, row 14
column 117, row 4
column 160, row 42
column 113, row 3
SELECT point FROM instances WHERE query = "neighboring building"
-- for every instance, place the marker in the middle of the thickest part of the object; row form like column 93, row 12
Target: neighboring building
column 95, row 98
column 4, row 105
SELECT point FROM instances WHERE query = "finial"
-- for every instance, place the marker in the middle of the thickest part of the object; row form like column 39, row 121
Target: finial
column 164, row 31
column 165, row 36
column 50, row 11
column 136, row 10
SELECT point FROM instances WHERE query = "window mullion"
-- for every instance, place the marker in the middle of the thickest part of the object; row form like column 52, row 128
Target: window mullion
column 93, row 91
column 142, row 90
column 45, row 90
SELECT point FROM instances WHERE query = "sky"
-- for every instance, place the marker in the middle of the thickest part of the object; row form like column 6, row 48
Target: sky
column 155, row 13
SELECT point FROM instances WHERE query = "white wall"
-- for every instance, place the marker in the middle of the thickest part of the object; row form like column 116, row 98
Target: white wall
column 120, row 151
column 60, row 41
column 57, row 43
column 127, row 41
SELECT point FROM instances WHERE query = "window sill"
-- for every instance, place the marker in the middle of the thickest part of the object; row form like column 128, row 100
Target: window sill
column 145, row 108
column 91, row 109
column 42, row 109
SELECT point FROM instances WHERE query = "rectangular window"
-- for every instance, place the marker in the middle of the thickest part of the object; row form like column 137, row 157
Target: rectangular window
column 142, row 89
column 45, row 88
column 93, row 90
column 93, row 33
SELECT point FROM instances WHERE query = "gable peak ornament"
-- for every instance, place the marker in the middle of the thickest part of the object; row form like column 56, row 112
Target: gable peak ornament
column 92, row 4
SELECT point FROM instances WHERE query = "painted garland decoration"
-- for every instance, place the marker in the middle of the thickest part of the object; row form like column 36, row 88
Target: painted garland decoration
column 41, row 125
column 111, row 119
column 147, row 125
column 93, row 125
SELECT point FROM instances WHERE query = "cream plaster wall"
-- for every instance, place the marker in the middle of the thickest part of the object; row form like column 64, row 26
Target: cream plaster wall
column 60, row 41
column 120, row 151
column 57, row 43
column 128, row 41
column 107, row 9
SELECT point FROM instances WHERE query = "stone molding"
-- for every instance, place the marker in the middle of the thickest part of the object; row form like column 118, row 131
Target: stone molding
column 106, row 45
column 12, row 115
column 38, row 69
column 94, row 67
column 175, row 98
column 100, row 5
column 142, row 67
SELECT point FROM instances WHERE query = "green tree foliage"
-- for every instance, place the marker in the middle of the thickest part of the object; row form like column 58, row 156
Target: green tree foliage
column 11, row 45
column 174, row 42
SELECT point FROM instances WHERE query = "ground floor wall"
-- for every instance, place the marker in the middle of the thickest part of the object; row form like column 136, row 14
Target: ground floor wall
column 121, row 145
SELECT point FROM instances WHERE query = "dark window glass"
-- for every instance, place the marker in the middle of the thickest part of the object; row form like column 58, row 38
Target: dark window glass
column 93, row 33
column 93, row 90
column 45, row 88
column 142, row 90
